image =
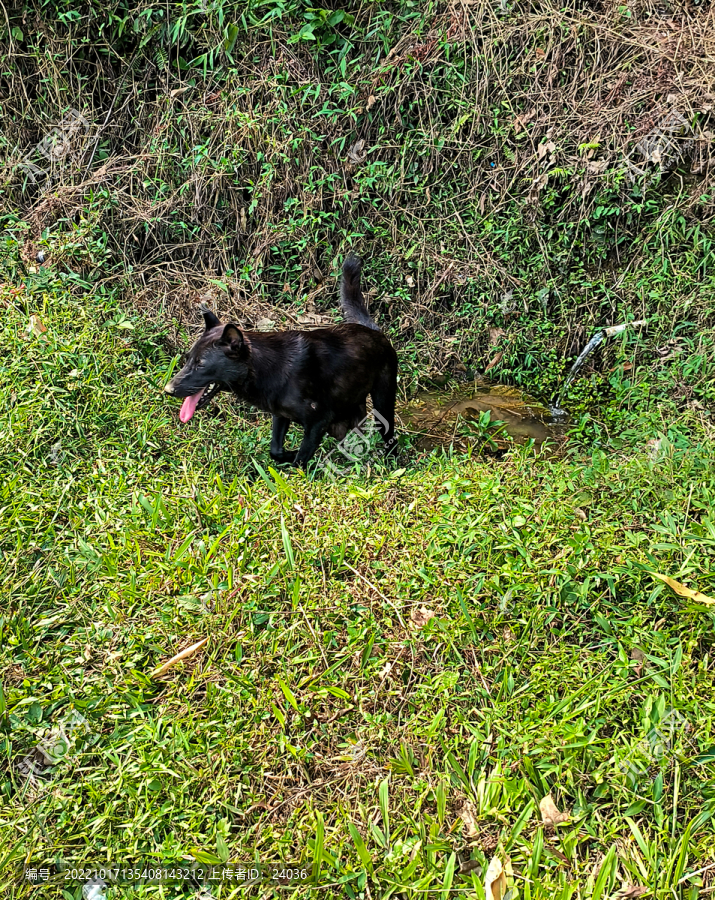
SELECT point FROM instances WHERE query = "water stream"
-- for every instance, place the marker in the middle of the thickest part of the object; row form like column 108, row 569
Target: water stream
column 597, row 339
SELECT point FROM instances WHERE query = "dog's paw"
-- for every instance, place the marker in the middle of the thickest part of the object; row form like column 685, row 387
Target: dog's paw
column 285, row 457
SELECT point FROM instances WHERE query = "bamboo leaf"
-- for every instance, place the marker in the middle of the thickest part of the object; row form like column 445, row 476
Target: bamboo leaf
column 288, row 693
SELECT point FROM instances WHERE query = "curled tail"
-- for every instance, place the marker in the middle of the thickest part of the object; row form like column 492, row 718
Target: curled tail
column 351, row 299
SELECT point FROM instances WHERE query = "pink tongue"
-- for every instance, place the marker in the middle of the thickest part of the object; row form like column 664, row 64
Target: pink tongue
column 188, row 407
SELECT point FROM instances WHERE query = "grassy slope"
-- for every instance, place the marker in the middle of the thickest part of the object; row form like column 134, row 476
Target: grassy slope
column 493, row 205
column 126, row 537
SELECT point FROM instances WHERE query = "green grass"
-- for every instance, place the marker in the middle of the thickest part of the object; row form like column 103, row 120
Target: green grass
column 319, row 725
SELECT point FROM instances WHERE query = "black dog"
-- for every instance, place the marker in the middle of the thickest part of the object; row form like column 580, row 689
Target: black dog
column 318, row 378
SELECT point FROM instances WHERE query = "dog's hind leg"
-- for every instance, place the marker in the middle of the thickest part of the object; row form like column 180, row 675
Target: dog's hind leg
column 383, row 395
column 278, row 436
column 312, row 436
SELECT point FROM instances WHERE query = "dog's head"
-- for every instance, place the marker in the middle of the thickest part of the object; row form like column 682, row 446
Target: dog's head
column 216, row 361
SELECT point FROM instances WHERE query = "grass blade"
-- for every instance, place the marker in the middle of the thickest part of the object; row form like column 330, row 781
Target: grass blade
column 362, row 851
column 287, row 546
column 449, row 874
column 385, row 807
column 319, row 843
column 602, row 885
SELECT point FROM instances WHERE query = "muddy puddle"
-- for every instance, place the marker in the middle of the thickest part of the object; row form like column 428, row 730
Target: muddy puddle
column 440, row 418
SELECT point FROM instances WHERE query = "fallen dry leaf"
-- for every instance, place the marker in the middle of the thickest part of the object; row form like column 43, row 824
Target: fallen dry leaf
column 35, row 326
column 469, row 865
column 494, row 361
column 371, row 101
column 550, row 813
column 177, row 92
column 468, row 815
column 184, row 654
column 683, row 591
column 495, row 881
column 356, row 154
column 630, row 892
column 540, row 182
column 558, row 854
column 638, row 657
column 420, row 617
column 313, row 319
column 523, row 120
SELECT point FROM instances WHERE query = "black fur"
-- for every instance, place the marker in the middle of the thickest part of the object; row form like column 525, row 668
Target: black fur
column 319, row 378
column 351, row 299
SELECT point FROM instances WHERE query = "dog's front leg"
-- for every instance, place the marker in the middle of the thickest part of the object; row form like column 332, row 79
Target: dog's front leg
column 312, row 436
column 278, row 436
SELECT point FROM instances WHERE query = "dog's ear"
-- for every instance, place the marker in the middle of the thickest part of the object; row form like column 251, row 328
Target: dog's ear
column 210, row 319
column 232, row 340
